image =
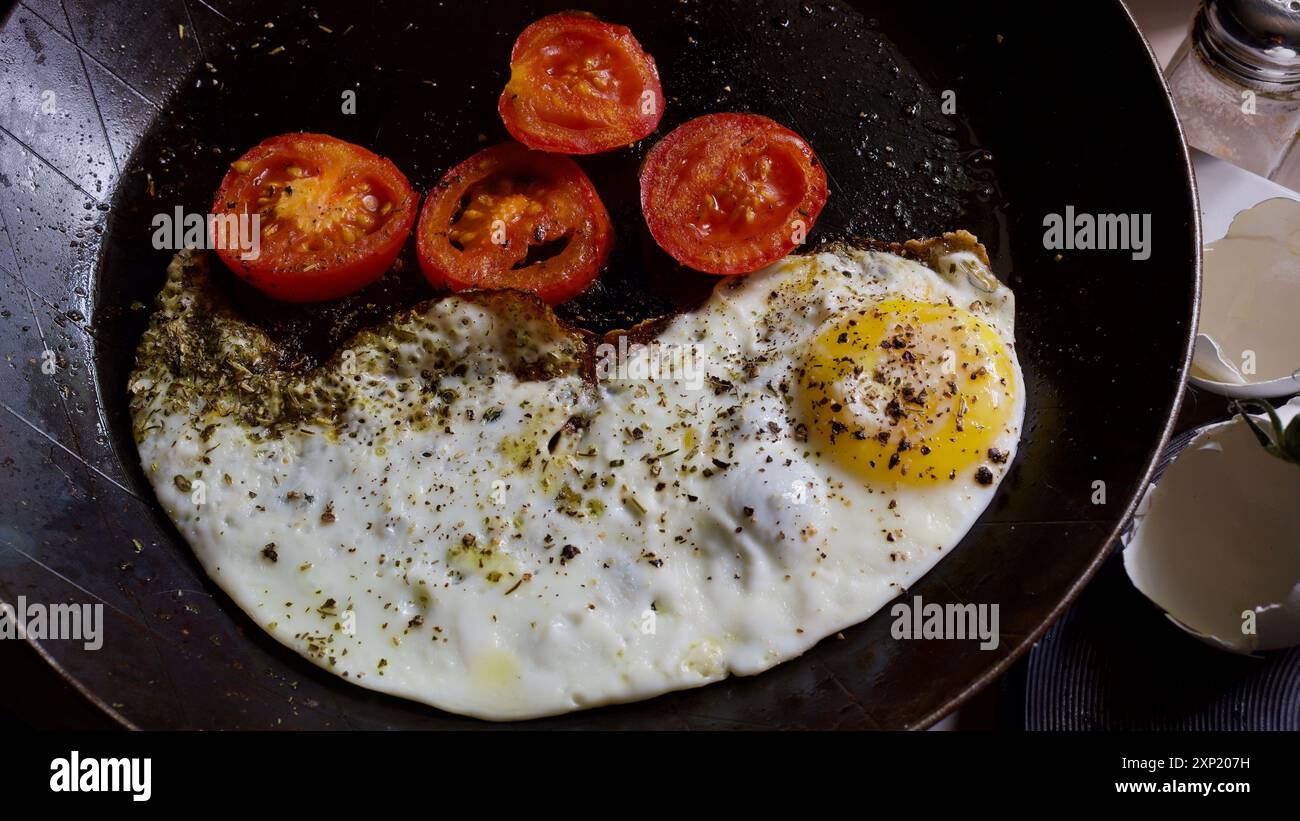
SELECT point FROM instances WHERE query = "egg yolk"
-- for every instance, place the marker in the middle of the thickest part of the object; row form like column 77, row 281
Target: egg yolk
column 908, row 392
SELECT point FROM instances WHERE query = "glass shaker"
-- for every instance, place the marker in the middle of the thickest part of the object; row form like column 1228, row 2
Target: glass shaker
column 1236, row 85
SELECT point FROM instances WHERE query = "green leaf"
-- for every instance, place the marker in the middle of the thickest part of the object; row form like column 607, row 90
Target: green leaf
column 1245, row 409
column 1291, row 440
column 1284, row 444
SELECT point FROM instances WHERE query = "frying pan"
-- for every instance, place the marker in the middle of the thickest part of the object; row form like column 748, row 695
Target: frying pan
column 114, row 112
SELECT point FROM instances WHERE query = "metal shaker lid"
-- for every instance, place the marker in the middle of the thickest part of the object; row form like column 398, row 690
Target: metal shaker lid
column 1256, row 41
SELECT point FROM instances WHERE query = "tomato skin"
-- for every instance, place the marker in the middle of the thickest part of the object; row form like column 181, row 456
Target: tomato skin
column 731, row 193
column 541, row 200
column 333, row 176
column 553, row 104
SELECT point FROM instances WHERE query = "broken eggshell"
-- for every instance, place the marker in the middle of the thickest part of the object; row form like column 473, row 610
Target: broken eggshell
column 1216, row 541
column 1248, row 342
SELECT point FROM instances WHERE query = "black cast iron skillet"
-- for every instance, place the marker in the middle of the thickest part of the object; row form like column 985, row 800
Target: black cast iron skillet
column 1047, row 114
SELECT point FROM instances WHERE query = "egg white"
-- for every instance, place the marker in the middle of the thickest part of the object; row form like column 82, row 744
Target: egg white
column 448, row 526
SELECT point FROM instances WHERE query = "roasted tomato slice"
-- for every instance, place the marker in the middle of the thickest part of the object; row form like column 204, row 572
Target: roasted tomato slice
column 580, row 86
column 333, row 216
column 509, row 217
column 730, row 193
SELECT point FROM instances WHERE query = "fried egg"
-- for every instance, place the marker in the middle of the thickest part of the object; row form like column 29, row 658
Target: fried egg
column 469, row 506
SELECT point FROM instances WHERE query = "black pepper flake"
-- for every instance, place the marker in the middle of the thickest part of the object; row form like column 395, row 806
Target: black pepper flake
column 269, row 553
column 720, row 386
column 984, row 476
column 749, row 512
column 568, row 552
column 998, row 456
